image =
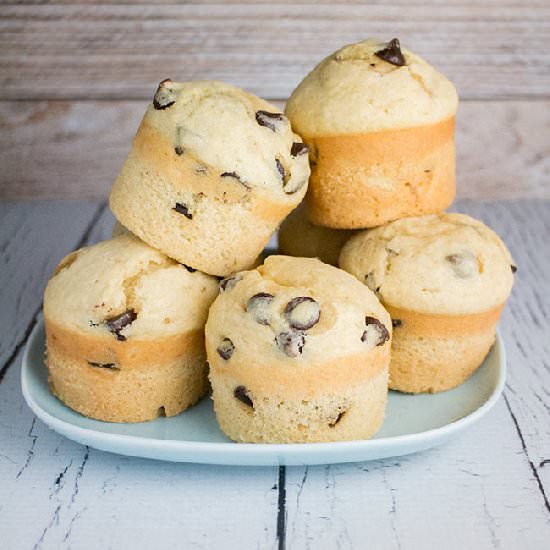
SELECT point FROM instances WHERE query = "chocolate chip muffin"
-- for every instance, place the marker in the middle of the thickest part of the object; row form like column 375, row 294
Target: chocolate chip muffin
column 444, row 279
column 298, row 352
column 125, row 332
column 211, row 174
column 299, row 237
column 379, row 122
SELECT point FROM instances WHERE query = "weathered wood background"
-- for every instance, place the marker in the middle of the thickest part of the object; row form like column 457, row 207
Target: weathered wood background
column 75, row 79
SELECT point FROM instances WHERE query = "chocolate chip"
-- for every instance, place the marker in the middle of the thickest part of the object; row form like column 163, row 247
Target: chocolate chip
column 258, row 307
column 270, row 120
column 395, row 323
column 298, row 148
column 376, row 334
column 236, row 176
column 371, row 283
column 392, row 53
column 110, row 366
column 189, row 268
column 338, row 418
column 464, row 264
column 231, row 175
column 288, row 186
column 229, row 282
column 179, row 150
column 119, row 322
column 302, row 312
column 241, row 393
column 280, row 169
column 291, row 342
column 181, row 208
column 201, row 170
column 514, row 268
column 313, row 155
column 226, row 349
column 164, row 96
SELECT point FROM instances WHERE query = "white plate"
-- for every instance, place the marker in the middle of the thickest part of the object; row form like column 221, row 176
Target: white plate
column 413, row 423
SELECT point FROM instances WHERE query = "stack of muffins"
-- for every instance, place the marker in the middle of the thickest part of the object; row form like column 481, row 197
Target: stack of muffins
column 295, row 349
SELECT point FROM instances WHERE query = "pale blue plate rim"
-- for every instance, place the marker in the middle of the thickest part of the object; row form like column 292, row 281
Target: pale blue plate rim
column 258, row 454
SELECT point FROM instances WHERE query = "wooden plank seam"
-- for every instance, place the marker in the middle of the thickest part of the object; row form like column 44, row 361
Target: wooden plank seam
column 83, row 240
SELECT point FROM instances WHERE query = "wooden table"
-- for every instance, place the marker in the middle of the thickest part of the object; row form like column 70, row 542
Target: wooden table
column 486, row 489
column 74, row 80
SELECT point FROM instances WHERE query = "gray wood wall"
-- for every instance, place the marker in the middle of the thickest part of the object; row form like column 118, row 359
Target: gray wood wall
column 75, row 78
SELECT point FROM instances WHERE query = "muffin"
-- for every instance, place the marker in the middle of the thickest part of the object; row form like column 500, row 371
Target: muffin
column 125, row 332
column 444, row 279
column 298, row 352
column 119, row 229
column 211, row 174
column 299, row 237
column 379, row 122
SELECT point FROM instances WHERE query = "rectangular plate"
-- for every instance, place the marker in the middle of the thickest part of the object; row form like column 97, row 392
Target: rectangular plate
column 413, row 422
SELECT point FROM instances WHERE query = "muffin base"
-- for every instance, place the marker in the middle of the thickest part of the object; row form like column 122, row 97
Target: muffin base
column 354, row 412
column 230, row 223
column 433, row 353
column 143, row 386
column 299, row 237
column 366, row 180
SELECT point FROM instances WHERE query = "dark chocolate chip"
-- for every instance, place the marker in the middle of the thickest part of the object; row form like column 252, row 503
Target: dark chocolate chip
column 395, row 323
column 514, row 268
column 110, row 366
column 370, row 282
column 376, row 334
column 302, row 312
column 179, row 150
column 291, row 342
column 280, row 169
column 119, row 322
column 229, row 282
column 270, row 120
column 226, row 349
column 313, row 155
column 392, row 53
column 164, row 96
column 298, row 148
column 94, row 324
column 181, row 208
column 189, row 268
column 241, row 393
column 236, row 176
column 231, row 175
column 464, row 264
column 338, row 418
column 258, row 307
